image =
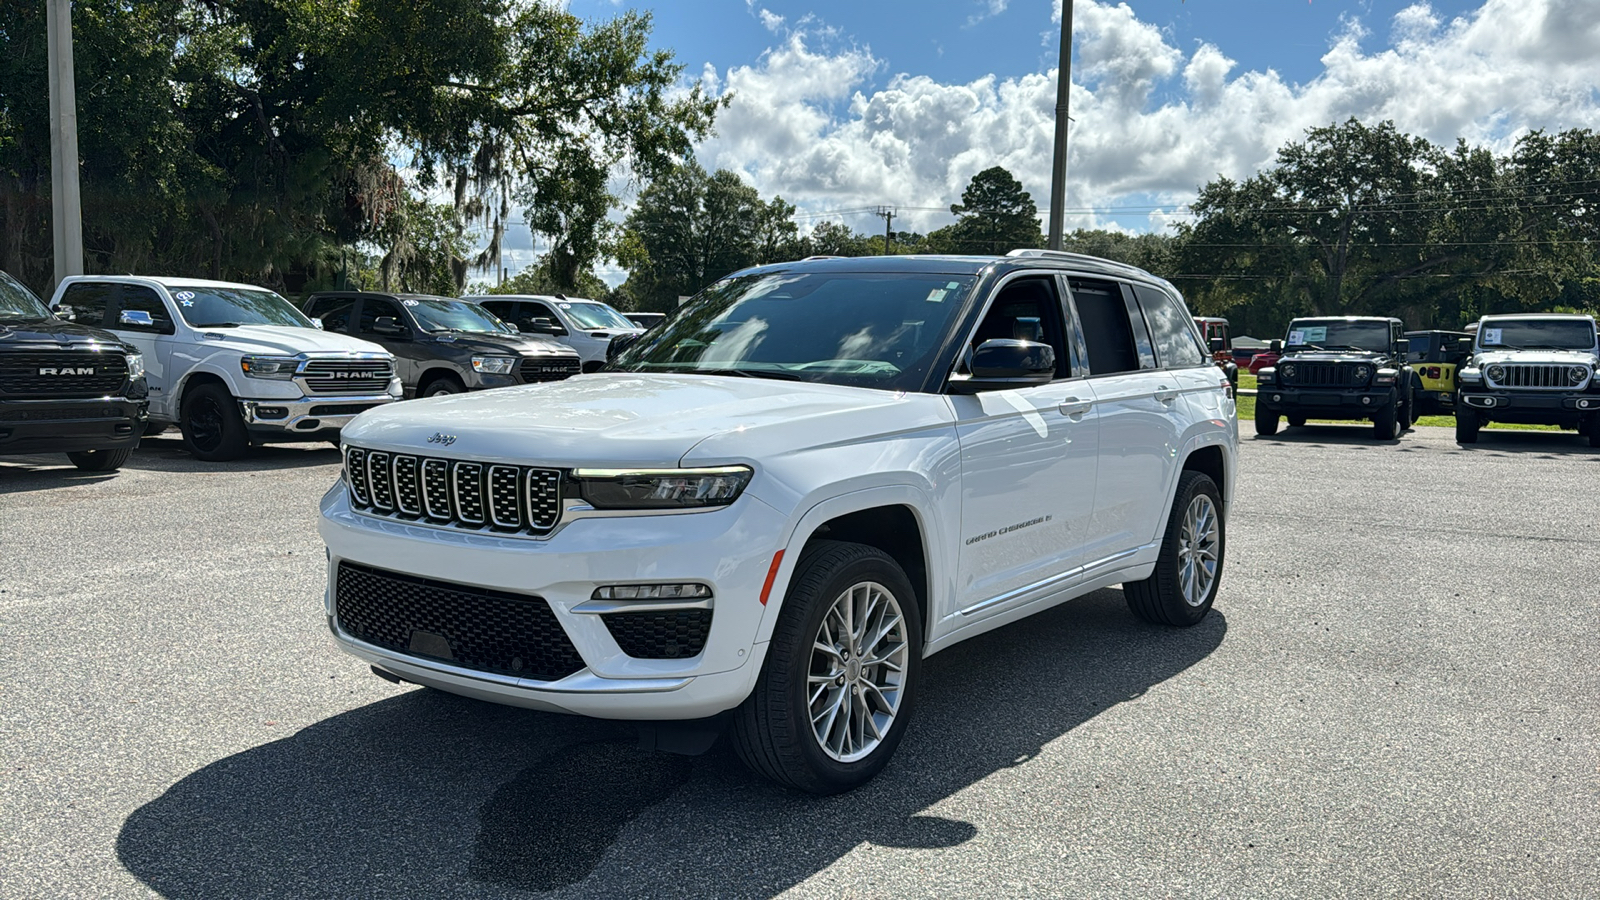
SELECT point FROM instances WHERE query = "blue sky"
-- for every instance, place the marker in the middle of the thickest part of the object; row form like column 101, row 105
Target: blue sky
column 839, row 106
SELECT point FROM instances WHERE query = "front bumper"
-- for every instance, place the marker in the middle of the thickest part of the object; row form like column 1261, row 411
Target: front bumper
column 71, row 426
column 1532, row 408
column 1327, row 403
column 305, row 415
column 729, row 550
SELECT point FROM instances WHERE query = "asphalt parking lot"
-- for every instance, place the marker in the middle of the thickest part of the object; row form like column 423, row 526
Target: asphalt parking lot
column 1398, row 694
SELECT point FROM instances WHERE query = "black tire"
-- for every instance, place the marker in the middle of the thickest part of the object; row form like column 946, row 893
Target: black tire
column 1386, row 421
column 1594, row 433
column 1467, row 424
column 441, row 386
column 1161, row 598
column 213, row 430
column 1266, row 420
column 100, row 460
column 1295, row 421
column 772, row 730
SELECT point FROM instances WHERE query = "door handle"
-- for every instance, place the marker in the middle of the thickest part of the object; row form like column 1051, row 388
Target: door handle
column 1166, row 394
column 1072, row 406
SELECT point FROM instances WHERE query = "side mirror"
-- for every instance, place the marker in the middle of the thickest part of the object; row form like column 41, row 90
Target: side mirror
column 1402, row 346
column 1004, row 363
column 138, row 318
column 1219, row 345
column 545, row 325
column 317, row 324
column 511, row 327
column 1276, row 346
column 390, row 326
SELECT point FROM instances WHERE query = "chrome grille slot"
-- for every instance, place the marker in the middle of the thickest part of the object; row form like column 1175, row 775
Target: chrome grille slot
column 467, row 479
column 345, row 376
column 1322, row 374
column 489, row 497
column 436, row 489
column 1538, row 376
column 381, row 480
column 503, row 508
column 407, row 492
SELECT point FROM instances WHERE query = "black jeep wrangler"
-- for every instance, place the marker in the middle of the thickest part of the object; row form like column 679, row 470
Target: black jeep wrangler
column 1350, row 367
column 66, row 388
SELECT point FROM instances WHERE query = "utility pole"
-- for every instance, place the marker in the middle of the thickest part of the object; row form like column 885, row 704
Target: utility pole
column 1058, row 178
column 66, row 219
column 888, row 219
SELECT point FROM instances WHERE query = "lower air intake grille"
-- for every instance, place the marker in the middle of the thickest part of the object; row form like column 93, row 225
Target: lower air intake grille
column 676, row 634
column 470, row 627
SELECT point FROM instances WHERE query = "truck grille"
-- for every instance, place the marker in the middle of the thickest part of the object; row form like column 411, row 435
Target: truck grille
column 455, row 493
column 63, row 373
column 675, row 634
column 1322, row 374
column 471, row 627
column 1546, row 376
column 345, row 376
column 544, row 368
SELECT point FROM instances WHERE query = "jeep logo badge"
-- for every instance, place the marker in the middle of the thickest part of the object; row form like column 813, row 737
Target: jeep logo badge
column 71, row 370
column 441, row 438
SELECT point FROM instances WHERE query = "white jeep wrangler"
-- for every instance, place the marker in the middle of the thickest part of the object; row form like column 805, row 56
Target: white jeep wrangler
column 1531, row 368
column 231, row 364
column 766, row 513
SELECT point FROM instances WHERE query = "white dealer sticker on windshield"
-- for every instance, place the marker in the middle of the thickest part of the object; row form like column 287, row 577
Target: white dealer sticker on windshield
column 185, row 297
column 1308, row 335
column 936, row 295
column 1491, row 336
column 412, row 302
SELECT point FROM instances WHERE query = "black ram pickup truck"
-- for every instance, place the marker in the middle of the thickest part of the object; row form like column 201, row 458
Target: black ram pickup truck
column 66, row 388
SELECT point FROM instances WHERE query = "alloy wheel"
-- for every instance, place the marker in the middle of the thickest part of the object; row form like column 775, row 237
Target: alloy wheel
column 1197, row 550
column 857, row 674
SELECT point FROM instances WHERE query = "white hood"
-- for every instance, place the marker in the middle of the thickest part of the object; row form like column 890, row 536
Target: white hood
column 1489, row 356
column 284, row 340
column 624, row 419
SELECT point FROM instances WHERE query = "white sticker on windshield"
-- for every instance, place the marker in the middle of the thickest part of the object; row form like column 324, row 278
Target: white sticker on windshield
column 936, row 295
column 565, row 305
column 412, row 302
column 1312, row 335
column 1491, row 336
column 185, row 297
column 1297, row 337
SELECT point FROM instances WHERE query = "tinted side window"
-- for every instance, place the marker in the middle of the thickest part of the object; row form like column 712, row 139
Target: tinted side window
column 1107, row 330
column 533, row 309
column 333, row 311
column 86, row 302
column 135, row 298
column 504, row 310
column 374, row 308
column 1170, row 329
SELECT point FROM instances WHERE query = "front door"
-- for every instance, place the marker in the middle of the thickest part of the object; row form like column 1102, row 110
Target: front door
column 155, row 341
column 408, row 347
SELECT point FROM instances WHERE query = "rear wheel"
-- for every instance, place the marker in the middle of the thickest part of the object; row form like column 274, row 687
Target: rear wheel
column 213, row 430
column 1266, row 420
column 444, row 384
column 834, row 696
column 1594, row 432
column 100, row 460
column 1184, row 584
column 1467, row 424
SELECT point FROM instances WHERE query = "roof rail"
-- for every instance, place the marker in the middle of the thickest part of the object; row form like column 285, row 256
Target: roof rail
column 820, row 256
column 1076, row 257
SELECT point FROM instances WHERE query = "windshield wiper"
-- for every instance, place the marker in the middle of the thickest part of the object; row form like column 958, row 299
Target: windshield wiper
column 1549, row 347
column 745, row 373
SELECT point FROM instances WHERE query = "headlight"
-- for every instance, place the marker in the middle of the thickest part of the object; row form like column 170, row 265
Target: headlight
column 1362, row 372
column 135, row 366
column 1577, row 374
column 494, row 365
column 661, row 488
column 1496, row 373
column 279, row 367
column 1288, row 370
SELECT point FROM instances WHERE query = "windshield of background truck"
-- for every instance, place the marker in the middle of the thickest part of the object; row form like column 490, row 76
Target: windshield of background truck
column 17, row 303
column 439, row 314
column 858, row 329
column 1337, row 334
column 1536, row 334
column 212, row 307
column 595, row 315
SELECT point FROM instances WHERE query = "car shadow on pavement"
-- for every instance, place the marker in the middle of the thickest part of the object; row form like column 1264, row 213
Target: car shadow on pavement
column 1356, row 433
column 426, row 794
column 44, row 471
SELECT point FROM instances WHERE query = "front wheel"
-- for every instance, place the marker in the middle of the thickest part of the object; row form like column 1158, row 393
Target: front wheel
column 834, row 696
column 1188, row 572
column 1467, row 424
column 1266, row 420
column 213, row 430
column 1296, row 421
column 100, row 460
column 1386, row 421
column 443, row 386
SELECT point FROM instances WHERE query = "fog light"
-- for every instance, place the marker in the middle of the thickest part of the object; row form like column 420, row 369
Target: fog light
column 652, row 592
column 272, row 412
column 1366, row 401
column 1583, row 404
column 1488, row 401
column 1277, row 398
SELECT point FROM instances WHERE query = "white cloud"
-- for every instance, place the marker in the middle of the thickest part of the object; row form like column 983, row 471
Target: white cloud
column 1150, row 120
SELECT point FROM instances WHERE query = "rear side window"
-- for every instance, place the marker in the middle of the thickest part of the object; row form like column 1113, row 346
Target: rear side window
column 1171, row 329
column 1108, row 333
column 504, row 310
column 85, row 302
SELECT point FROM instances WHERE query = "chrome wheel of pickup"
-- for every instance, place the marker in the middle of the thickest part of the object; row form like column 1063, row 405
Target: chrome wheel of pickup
column 1197, row 551
column 858, row 667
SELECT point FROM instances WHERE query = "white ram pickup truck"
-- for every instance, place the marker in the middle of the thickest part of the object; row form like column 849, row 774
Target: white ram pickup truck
column 233, row 364
column 766, row 513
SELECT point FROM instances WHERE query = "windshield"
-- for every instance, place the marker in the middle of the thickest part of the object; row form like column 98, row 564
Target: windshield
column 217, row 307
column 1337, row 334
column 858, row 329
column 18, row 304
column 439, row 314
column 1537, row 334
column 595, row 315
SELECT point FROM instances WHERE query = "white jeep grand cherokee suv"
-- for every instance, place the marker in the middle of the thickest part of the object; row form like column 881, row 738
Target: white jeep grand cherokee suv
column 776, row 506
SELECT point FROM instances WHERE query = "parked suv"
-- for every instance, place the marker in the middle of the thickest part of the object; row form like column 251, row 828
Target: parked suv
column 444, row 346
column 231, row 364
column 586, row 326
column 1532, row 368
column 66, row 388
column 775, row 505
column 1435, row 356
column 1351, row 367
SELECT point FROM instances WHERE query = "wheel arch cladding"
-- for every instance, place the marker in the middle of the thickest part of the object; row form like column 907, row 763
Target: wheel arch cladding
column 1209, row 461
column 195, row 379
column 892, row 529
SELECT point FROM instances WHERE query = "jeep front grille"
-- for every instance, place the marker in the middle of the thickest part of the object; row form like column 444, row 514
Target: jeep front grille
column 1536, row 376
column 63, row 373
column 1323, row 374
column 546, row 368
column 497, row 498
column 467, row 626
column 345, row 376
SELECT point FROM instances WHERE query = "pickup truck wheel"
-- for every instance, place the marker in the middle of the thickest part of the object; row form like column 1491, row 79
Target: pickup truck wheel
column 212, row 429
column 1266, row 420
column 1184, row 584
column 835, row 693
column 100, row 460
column 444, row 384
column 1467, row 424
column 1295, row 421
column 1386, row 421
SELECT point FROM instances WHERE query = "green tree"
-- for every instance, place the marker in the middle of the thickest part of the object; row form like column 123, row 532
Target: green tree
column 995, row 216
